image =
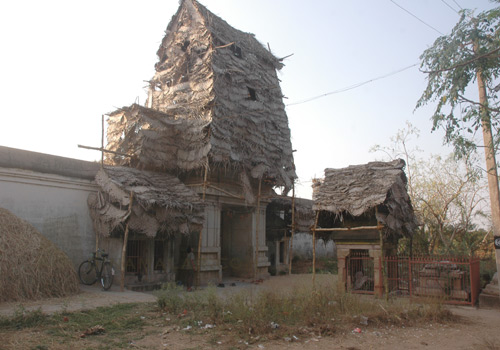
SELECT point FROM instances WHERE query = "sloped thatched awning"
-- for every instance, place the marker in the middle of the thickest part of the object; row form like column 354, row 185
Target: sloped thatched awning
column 157, row 140
column 304, row 214
column 161, row 203
column 359, row 189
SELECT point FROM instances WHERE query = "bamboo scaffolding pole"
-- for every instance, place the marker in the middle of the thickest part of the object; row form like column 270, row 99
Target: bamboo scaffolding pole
column 290, row 253
column 102, row 141
column 104, row 150
column 102, row 166
column 314, row 247
column 257, row 223
column 124, row 247
column 198, row 272
column 224, row 191
column 382, row 262
column 208, row 184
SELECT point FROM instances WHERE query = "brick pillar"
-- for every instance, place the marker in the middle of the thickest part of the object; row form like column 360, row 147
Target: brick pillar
column 376, row 254
column 342, row 254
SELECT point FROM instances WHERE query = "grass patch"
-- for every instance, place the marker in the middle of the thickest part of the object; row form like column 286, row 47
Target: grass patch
column 273, row 315
column 23, row 318
column 117, row 326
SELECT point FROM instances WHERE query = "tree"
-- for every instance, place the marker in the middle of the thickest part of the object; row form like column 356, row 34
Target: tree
column 447, row 196
column 469, row 54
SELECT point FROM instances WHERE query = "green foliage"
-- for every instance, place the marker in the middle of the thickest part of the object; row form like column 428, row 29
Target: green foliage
column 452, row 64
column 448, row 196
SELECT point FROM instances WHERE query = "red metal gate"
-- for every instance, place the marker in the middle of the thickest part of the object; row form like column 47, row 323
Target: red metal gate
column 453, row 279
column 360, row 272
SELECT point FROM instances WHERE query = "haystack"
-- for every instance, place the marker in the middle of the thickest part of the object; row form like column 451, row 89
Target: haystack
column 31, row 267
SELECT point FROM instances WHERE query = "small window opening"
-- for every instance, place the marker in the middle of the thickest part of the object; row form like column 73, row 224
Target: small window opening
column 236, row 51
column 185, row 45
column 251, row 94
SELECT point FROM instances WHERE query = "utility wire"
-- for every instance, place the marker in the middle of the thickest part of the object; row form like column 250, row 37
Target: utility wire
column 411, row 14
column 353, row 86
column 444, row 2
column 460, row 7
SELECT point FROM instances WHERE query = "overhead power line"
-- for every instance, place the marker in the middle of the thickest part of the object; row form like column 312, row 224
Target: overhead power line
column 460, row 7
column 411, row 14
column 353, row 86
column 444, row 2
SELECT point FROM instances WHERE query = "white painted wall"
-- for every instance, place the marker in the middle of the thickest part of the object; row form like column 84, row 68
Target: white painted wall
column 56, row 205
column 302, row 247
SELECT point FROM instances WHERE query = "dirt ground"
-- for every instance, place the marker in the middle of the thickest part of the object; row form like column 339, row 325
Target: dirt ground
column 474, row 329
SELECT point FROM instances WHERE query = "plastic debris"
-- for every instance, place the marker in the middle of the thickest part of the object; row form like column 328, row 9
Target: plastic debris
column 356, row 330
column 274, row 325
column 363, row 320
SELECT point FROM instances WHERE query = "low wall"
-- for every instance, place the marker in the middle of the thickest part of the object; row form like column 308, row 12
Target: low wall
column 302, row 247
column 50, row 193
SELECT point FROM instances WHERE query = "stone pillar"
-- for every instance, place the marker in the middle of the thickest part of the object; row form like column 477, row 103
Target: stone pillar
column 277, row 255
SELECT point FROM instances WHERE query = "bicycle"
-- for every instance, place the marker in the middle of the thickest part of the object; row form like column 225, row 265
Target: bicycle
column 91, row 270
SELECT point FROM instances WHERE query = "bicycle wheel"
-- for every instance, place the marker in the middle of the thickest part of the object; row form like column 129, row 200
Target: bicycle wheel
column 87, row 273
column 107, row 276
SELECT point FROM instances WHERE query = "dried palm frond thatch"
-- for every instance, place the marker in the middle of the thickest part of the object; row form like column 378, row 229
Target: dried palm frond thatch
column 221, row 81
column 160, row 204
column 304, row 214
column 359, row 189
column 31, row 266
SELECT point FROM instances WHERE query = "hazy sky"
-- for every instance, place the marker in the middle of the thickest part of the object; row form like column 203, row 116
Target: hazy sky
column 65, row 63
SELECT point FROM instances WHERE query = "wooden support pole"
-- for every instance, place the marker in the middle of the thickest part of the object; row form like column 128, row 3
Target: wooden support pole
column 257, row 223
column 102, row 141
column 290, row 253
column 104, row 150
column 382, row 260
column 198, row 272
column 314, row 247
column 124, row 247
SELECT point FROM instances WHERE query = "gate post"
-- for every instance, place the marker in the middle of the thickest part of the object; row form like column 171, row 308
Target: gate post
column 378, row 288
column 342, row 266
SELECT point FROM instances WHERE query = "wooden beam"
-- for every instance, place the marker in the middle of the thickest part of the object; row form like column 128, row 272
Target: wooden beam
column 225, row 192
column 378, row 227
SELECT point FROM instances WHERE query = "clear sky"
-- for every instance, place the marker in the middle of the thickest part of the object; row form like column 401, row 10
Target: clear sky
column 65, row 63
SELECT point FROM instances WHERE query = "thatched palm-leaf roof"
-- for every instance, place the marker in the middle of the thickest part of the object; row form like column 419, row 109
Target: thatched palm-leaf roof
column 161, row 203
column 304, row 214
column 157, row 140
column 358, row 189
column 213, row 73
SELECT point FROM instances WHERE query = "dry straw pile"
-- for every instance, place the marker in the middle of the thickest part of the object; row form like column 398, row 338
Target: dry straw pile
column 31, row 267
